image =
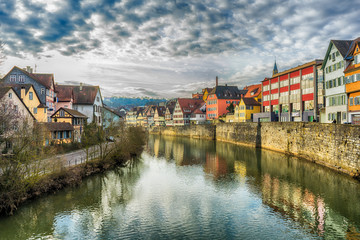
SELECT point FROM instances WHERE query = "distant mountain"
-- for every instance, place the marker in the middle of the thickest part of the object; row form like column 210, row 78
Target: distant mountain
column 116, row 102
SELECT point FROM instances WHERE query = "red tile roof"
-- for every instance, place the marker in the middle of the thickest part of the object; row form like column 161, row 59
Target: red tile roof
column 64, row 93
column 188, row 105
column 255, row 89
column 46, row 79
column 86, row 95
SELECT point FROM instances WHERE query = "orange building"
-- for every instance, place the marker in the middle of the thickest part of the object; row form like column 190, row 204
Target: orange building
column 352, row 79
column 220, row 98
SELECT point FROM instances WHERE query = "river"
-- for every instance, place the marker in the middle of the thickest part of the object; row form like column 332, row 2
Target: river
column 185, row 188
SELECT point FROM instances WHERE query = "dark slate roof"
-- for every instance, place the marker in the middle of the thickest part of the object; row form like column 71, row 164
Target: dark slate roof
column 161, row 111
column 58, row 126
column 4, row 90
column 251, row 102
column 342, row 45
column 64, row 93
column 45, row 79
column 228, row 92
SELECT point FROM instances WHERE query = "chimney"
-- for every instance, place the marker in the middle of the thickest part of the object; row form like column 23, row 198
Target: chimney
column 29, row 69
column 81, row 85
column 217, row 81
column 22, row 93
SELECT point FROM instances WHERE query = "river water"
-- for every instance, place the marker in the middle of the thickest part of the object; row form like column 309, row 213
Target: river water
column 184, row 188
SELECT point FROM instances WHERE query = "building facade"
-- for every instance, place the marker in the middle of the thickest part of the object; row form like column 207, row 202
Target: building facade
column 43, row 84
column 352, row 79
column 293, row 95
column 335, row 93
column 219, row 100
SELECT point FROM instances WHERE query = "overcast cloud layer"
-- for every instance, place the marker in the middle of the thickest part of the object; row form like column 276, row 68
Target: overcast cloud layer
column 162, row 48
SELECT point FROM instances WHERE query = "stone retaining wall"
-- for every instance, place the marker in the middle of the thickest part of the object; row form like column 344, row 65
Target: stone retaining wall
column 334, row 145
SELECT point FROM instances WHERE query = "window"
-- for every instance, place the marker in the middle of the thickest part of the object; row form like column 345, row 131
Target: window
column 344, row 115
column 35, row 110
column 21, row 78
column 339, row 81
column 12, row 78
column 44, row 110
column 62, row 113
column 42, row 91
column 10, row 95
column 337, row 53
column 31, row 95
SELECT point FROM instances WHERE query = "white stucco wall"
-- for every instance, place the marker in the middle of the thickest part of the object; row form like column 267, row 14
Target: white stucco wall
column 335, row 91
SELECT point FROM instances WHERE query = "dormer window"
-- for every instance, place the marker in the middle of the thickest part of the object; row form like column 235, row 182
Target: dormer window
column 21, row 78
column 12, row 78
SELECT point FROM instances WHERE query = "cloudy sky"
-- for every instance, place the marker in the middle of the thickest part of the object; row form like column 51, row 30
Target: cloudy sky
column 169, row 48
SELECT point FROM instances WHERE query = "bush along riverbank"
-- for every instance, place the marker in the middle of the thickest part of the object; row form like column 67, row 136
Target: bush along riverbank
column 24, row 177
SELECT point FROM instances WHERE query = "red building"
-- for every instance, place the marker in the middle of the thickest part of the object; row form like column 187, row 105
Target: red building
column 220, row 98
column 293, row 95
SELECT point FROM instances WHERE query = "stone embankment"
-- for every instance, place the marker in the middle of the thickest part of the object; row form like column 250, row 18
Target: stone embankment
column 333, row 145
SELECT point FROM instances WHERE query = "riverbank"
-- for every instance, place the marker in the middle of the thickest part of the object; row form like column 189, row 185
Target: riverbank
column 336, row 146
column 16, row 190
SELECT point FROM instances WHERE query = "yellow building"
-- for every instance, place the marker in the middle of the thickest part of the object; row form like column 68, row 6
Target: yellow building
column 206, row 92
column 245, row 110
column 31, row 100
column 75, row 118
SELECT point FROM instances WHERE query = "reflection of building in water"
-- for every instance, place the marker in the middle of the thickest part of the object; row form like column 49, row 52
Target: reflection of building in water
column 301, row 205
column 215, row 165
column 178, row 153
column 240, row 168
column 156, row 146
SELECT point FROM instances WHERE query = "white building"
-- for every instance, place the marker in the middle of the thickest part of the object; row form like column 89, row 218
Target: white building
column 335, row 95
column 88, row 101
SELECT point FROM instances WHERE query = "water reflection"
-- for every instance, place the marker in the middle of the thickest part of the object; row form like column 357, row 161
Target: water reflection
column 315, row 197
column 74, row 212
column 196, row 189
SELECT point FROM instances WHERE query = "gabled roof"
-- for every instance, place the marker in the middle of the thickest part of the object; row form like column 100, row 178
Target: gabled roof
column 72, row 112
column 198, row 110
column 45, row 79
column 64, row 93
column 255, row 89
column 188, row 105
column 250, row 102
column 227, row 92
column 17, row 88
column 161, row 111
column 341, row 45
column 5, row 89
column 85, row 96
column 352, row 48
column 58, row 126
column 112, row 111
column 171, row 108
